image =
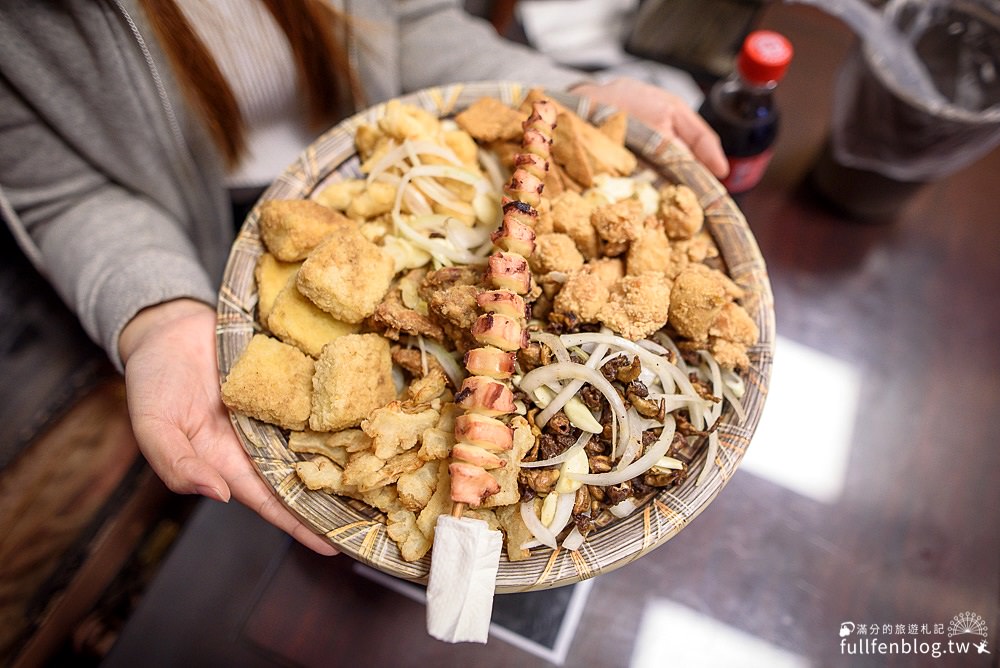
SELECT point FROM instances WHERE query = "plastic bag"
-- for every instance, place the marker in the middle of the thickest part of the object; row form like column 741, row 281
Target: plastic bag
column 920, row 98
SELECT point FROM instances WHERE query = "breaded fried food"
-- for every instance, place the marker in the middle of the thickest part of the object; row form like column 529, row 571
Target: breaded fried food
column 376, row 199
column 680, row 212
column 346, row 276
column 416, row 487
column 582, row 297
column 696, row 299
column 369, row 472
column 731, row 333
column 555, row 252
column 615, row 127
column 396, row 428
column 618, row 224
column 490, row 120
column 353, row 377
column 318, row 443
column 271, row 381
column 638, row 306
column 271, row 275
column 515, row 531
column 650, row 251
column 297, row 321
column 291, row 228
column 571, row 215
column 323, row 474
column 401, row 526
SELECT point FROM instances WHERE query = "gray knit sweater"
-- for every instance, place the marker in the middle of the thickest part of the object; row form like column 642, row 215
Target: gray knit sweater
column 110, row 185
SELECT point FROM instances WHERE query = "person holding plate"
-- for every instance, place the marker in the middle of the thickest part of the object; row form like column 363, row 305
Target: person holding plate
column 132, row 130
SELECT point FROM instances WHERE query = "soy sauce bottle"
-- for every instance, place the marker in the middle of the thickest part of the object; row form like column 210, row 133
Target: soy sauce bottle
column 742, row 110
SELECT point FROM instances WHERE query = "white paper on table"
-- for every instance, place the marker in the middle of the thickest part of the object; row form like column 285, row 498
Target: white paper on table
column 464, row 562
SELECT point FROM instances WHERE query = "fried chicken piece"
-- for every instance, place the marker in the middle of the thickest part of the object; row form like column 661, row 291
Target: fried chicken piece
column 582, row 297
column 570, row 215
column 450, row 294
column 638, row 306
column 291, row 228
column 610, row 270
column 697, row 297
column 392, row 316
column 555, row 252
column 731, row 333
column 353, row 377
column 618, row 224
column 346, row 276
column 650, row 251
column 680, row 212
column 375, row 200
column 271, row 381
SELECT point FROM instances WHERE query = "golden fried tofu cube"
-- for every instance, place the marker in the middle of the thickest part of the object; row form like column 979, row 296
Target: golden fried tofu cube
column 271, row 275
column 346, row 276
column 353, row 377
column 271, row 381
column 291, row 228
column 297, row 321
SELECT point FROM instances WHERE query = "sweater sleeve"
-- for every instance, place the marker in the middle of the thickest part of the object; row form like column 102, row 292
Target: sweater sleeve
column 440, row 43
column 109, row 252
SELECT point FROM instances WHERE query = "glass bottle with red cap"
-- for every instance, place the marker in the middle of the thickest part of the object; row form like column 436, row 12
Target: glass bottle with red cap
column 742, row 110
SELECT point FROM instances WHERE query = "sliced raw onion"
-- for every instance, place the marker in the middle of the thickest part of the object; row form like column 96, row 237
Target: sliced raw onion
column 713, row 450
column 728, row 395
column 623, row 508
column 563, row 396
column 638, row 467
column 573, row 540
column 541, row 532
column 554, row 344
column 451, row 367
column 564, row 512
column 553, row 373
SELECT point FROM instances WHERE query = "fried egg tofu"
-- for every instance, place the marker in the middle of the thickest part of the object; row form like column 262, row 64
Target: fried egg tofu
column 346, row 276
column 271, row 381
column 353, row 377
column 297, row 321
column 291, row 229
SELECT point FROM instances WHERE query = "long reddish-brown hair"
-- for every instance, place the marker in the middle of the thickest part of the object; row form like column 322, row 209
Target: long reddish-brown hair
column 321, row 62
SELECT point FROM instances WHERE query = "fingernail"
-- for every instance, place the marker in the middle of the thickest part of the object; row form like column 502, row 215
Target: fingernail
column 211, row 493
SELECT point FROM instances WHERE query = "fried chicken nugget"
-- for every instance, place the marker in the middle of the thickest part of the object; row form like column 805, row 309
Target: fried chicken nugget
column 638, row 306
column 271, row 381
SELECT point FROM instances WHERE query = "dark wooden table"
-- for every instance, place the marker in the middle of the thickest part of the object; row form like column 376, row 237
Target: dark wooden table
column 885, row 517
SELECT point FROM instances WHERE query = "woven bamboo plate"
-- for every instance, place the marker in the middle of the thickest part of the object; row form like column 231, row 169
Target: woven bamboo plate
column 358, row 530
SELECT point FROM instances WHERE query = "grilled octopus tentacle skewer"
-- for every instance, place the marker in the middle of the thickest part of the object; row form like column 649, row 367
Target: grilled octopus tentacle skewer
column 502, row 328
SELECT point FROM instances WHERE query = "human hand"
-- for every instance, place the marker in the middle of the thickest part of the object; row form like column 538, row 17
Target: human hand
column 666, row 113
column 183, row 429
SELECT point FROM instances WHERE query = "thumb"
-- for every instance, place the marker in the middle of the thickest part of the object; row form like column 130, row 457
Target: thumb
column 171, row 456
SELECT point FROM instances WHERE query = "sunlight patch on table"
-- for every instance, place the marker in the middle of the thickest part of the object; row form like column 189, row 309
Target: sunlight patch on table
column 671, row 634
column 803, row 440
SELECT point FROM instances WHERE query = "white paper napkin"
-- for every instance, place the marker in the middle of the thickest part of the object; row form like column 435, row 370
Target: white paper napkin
column 462, row 580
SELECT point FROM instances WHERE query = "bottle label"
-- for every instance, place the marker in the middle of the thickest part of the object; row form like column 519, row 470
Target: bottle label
column 745, row 173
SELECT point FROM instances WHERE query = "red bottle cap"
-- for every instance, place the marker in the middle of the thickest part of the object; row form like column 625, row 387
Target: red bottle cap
column 764, row 57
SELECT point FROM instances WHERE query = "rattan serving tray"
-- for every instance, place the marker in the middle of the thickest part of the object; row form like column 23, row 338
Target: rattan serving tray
column 358, row 530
